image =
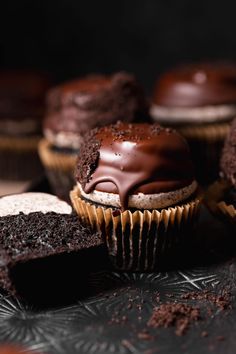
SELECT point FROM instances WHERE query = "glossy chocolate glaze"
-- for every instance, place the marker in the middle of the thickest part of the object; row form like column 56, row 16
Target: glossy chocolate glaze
column 197, row 85
column 95, row 100
column 139, row 158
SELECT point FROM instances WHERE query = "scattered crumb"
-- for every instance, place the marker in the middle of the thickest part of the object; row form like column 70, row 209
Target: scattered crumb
column 175, row 315
column 145, row 336
column 204, row 334
column 222, row 301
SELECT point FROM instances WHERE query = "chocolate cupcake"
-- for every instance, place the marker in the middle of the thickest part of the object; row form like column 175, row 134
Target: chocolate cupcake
column 75, row 108
column 221, row 196
column 199, row 100
column 21, row 112
column 37, row 229
column 135, row 183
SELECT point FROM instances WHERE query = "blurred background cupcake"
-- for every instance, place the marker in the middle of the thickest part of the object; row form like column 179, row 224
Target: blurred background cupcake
column 199, row 100
column 221, row 196
column 78, row 106
column 136, row 184
column 22, row 96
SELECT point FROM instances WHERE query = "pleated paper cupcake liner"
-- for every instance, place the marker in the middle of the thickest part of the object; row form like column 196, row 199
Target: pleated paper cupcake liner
column 59, row 167
column 19, row 158
column 136, row 240
column 214, row 200
column 206, row 143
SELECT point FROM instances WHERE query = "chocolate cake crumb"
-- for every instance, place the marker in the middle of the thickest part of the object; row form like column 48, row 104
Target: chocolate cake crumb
column 145, row 336
column 35, row 236
column 88, row 158
column 176, row 315
column 222, row 301
column 204, row 334
column 220, row 338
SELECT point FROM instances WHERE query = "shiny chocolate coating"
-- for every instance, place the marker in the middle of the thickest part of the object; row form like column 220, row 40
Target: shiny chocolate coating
column 136, row 158
column 197, row 85
column 80, row 105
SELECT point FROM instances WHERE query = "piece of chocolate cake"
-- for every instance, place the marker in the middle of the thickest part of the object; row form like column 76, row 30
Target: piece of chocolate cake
column 39, row 240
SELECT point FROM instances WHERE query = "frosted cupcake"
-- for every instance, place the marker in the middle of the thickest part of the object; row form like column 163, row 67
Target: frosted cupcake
column 135, row 183
column 221, row 196
column 75, row 108
column 199, row 100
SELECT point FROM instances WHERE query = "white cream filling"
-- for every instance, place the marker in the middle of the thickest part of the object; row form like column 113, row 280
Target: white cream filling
column 31, row 203
column 64, row 139
column 195, row 115
column 140, row 200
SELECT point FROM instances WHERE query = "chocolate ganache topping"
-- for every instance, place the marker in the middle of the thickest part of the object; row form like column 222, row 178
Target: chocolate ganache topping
column 128, row 159
column 197, row 85
column 80, row 105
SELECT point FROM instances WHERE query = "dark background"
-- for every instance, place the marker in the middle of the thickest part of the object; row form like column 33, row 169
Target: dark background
column 72, row 37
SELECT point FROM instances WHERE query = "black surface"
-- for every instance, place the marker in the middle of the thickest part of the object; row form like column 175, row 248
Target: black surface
column 75, row 37
column 89, row 324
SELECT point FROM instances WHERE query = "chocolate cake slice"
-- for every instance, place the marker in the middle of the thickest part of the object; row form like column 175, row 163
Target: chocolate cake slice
column 39, row 250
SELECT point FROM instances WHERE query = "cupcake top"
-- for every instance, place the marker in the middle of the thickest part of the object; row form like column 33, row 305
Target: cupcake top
column 135, row 159
column 228, row 158
column 80, row 105
column 32, row 202
column 22, row 95
column 197, row 85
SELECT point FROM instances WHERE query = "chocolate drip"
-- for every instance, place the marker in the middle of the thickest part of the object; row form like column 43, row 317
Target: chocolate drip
column 139, row 158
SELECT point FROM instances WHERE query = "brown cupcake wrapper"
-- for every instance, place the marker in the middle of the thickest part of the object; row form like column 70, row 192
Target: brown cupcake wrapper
column 206, row 143
column 59, row 168
column 19, row 144
column 19, row 158
column 207, row 132
column 214, row 199
column 135, row 240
